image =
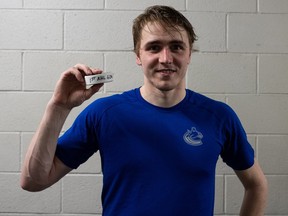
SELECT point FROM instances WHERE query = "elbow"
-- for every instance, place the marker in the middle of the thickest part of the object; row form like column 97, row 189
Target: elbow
column 29, row 184
column 24, row 183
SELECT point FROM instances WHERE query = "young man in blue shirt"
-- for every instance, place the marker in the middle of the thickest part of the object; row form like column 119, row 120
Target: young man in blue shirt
column 159, row 144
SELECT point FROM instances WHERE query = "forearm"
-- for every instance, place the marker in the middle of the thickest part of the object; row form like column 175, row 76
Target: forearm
column 41, row 168
column 39, row 161
column 254, row 201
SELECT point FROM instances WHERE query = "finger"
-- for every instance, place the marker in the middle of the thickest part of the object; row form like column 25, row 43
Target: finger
column 96, row 71
column 83, row 69
column 77, row 73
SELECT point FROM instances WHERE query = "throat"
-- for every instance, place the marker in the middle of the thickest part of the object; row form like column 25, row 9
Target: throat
column 164, row 99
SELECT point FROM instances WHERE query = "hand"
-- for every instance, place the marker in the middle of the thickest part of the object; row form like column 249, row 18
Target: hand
column 70, row 90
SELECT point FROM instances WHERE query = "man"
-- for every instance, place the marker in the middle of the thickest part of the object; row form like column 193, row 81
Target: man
column 159, row 144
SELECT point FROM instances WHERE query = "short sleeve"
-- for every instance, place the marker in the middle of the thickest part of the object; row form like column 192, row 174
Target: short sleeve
column 79, row 142
column 237, row 151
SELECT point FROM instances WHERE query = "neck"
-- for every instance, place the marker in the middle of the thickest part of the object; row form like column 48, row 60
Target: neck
column 163, row 99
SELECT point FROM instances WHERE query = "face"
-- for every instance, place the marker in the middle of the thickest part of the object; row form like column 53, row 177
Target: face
column 164, row 57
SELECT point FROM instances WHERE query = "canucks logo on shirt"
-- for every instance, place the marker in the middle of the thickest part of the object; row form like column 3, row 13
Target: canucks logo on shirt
column 193, row 137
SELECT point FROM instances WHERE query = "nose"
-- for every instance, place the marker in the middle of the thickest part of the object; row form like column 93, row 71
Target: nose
column 165, row 56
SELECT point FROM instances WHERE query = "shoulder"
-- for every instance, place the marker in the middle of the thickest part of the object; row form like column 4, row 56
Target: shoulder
column 217, row 108
column 104, row 104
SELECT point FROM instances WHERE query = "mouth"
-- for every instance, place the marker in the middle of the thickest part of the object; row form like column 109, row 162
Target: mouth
column 166, row 71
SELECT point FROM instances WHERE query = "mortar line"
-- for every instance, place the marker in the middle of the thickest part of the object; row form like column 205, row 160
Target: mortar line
column 63, row 30
column 257, row 75
column 226, row 33
column 22, row 71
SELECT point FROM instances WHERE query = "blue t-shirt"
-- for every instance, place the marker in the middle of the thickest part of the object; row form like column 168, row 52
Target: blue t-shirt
column 157, row 161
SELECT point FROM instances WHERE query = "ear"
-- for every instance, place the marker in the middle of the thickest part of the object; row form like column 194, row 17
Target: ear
column 138, row 61
column 189, row 60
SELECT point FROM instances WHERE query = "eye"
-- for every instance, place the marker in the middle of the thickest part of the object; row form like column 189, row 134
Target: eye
column 153, row 48
column 176, row 47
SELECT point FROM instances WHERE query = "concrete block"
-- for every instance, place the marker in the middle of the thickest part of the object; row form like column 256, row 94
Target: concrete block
column 262, row 113
column 66, row 4
column 10, row 70
column 34, row 104
column 275, row 6
column 222, row 73
column 100, row 30
column 31, row 30
column 141, row 5
column 234, row 195
column 14, row 199
column 41, row 39
column 127, row 74
column 258, row 33
column 222, row 6
column 210, row 29
column 273, row 154
column 217, row 97
column 9, row 152
column 11, row 4
column 22, row 111
column 278, row 195
column 42, row 70
column 86, row 189
column 219, row 195
column 273, row 74
column 276, row 204
column 28, row 109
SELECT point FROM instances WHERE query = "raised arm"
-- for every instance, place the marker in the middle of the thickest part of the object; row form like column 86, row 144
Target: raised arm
column 41, row 168
column 256, row 190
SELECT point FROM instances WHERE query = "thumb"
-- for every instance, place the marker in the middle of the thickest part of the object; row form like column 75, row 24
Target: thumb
column 92, row 90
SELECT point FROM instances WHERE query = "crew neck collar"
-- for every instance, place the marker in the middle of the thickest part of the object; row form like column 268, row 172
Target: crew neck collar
column 172, row 108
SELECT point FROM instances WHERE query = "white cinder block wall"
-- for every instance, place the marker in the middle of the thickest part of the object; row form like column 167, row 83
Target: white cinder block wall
column 242, row 60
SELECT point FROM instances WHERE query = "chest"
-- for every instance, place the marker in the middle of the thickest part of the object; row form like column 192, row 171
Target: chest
column 147, row 141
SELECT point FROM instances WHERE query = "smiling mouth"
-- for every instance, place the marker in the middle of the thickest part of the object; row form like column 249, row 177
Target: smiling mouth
column 166, row 71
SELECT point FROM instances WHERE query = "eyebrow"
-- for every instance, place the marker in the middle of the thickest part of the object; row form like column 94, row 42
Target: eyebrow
column 155, row 42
